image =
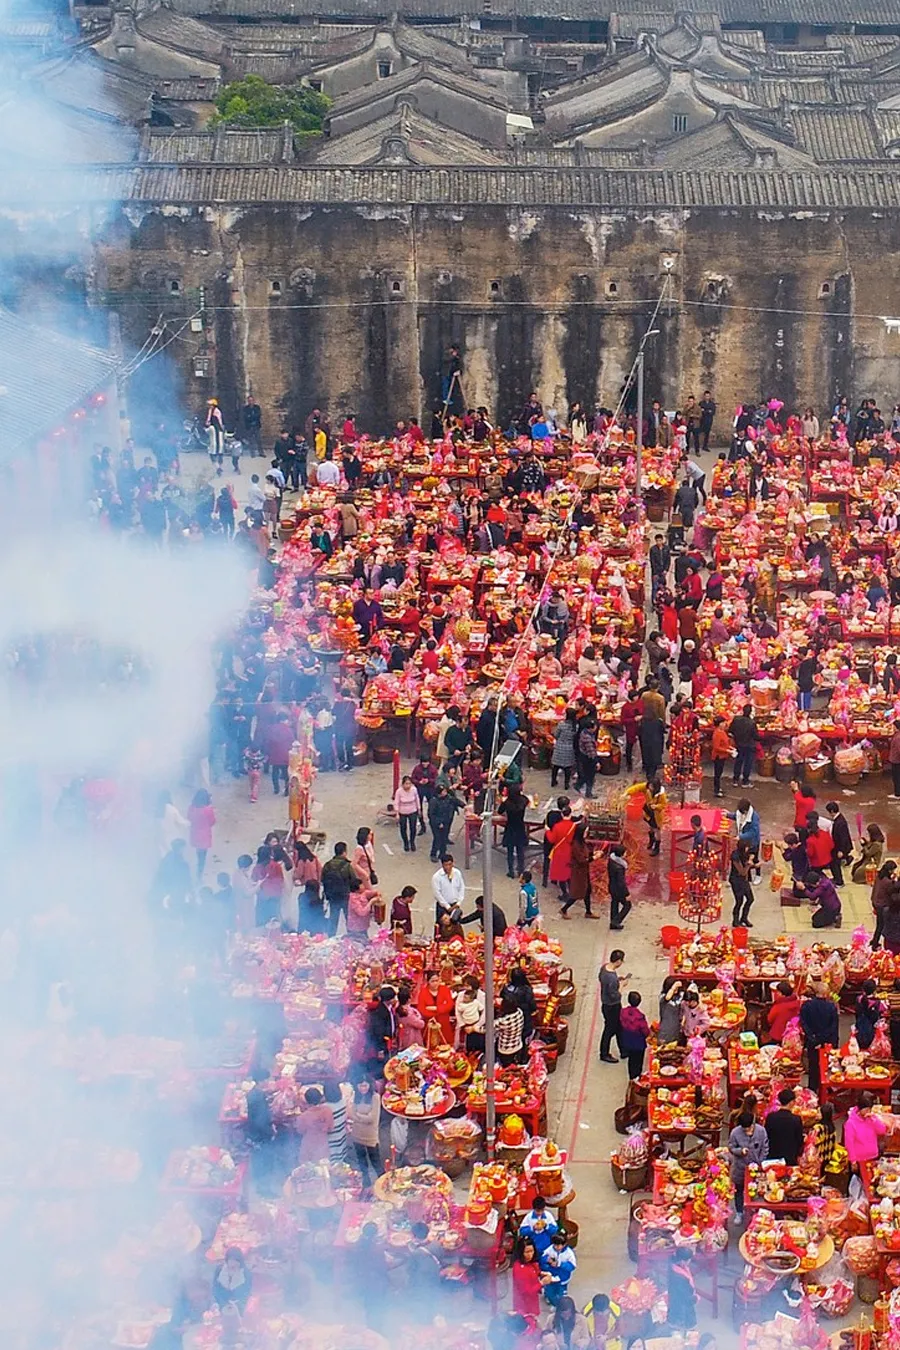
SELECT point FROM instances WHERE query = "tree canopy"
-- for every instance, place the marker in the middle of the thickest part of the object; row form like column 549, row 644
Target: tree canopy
column 253, row 102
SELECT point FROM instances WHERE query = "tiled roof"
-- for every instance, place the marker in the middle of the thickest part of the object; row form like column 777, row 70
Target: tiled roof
column 875, row 13
column 629, row 25
column 276, row 67
column 466, row 85
column 545, row 156
column 85, row 81
column 888, row 124
column 860, row 50
column 223, row 146
column 178, row 30
column 607, row 93
column 575, row 188
column 834, row 134
column 421, row 140
column 878, row 13
column 190, row 90
column 43, row 377
column 678, row 42
column 804, row 62
column 769, row 93
column 748, row 39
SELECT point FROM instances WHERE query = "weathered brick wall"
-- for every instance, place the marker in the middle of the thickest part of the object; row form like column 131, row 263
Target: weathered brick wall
column 545, row 298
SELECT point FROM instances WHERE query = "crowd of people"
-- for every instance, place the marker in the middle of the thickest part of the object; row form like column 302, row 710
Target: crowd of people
column 622, row 687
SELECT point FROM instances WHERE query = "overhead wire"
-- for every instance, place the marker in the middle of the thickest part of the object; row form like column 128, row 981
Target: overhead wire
column 554, row 306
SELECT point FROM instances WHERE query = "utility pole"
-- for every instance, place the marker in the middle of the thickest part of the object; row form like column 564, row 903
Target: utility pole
column 487, row 887
column 639, row 433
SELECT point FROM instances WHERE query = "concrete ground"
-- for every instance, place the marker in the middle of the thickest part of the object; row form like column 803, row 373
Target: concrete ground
column 583, row 1093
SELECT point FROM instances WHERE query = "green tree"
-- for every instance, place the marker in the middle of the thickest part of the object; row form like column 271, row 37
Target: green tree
column 253, row 102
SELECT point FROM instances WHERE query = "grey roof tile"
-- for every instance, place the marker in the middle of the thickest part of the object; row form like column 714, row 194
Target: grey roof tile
column 179, row 30
column 875, row 13
column 596, row 188
column 43, row 376
column 836, row 134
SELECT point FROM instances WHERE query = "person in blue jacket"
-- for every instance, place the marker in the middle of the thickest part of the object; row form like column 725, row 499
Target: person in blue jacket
column 746, row 822
column 539, row 1225
column 558, row 1263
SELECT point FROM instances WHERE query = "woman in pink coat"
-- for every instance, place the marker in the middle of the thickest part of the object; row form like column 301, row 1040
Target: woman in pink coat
column 201, row 818
column 863, row 1131
column 409, row 1020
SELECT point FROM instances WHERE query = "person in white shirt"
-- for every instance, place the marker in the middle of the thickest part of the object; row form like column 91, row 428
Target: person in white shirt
column 328, row 474
column 697, row 477
column 256, row 498
column 448, row 888
column 172, row 824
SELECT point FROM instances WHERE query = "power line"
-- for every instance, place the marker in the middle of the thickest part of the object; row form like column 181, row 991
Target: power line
column 545, row 306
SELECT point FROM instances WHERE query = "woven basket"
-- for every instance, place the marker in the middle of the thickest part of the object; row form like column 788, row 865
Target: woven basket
column 817, row 773
column 867, row 1289
column 453, row 1167
column 565, row 992
column 629, row 1178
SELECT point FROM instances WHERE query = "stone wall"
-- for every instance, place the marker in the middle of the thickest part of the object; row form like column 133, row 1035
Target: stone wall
column 352, row 308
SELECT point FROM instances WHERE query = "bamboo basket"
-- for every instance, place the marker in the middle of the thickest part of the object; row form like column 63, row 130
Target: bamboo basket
column 629, row 1178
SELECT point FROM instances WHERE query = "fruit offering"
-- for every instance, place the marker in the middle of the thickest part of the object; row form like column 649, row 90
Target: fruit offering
column 774, row 1183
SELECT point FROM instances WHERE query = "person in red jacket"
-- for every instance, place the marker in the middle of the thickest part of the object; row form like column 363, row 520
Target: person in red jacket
column 785, row 1005
column 431, row 660
column 687, row 624
column 720, row 751
column 669, row 622
column 526, row 1279
column 693, row 588
column 435, row 1003
column 819, row 844
column 804, row 802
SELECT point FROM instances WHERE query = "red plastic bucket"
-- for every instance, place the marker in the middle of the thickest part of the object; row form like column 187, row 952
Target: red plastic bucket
column 670, row 936
column 739, row 937
column 677, row 885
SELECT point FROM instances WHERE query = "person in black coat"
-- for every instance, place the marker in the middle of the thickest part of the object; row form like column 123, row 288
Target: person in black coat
column 785, row 1130
column 843, row 843
column 381, row 1030
column 652, row 740
column 484, row 729
column 477, row 915
column 520, row 992
column 619, row 903
column 819, row 1024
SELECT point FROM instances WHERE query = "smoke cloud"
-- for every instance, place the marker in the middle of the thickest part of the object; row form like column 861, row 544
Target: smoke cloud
column 107, row 670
